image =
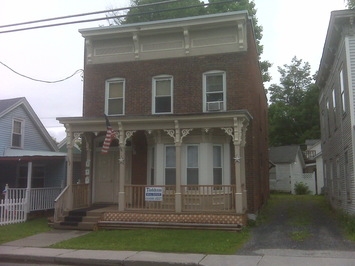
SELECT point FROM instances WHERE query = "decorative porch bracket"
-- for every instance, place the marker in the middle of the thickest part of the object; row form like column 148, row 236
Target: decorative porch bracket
column 178, row 134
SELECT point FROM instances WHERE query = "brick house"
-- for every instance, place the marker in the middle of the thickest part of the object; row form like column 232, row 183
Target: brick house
column 186, row 101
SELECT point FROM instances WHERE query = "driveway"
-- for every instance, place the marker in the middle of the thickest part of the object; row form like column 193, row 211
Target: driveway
column 296, row 223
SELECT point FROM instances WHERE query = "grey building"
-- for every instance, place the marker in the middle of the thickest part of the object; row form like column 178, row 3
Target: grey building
column 336, row 80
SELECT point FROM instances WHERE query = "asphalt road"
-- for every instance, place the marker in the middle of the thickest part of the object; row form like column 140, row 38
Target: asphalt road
column 300, row 225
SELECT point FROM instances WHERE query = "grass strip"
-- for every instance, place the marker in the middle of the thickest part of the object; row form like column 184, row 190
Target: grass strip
column 160, row 240
column 13, row 232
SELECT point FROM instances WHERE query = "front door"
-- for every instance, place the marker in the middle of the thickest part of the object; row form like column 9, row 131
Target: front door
column 106, row 177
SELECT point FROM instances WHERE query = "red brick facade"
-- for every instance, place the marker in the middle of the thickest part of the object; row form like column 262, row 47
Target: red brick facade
column 244, row 91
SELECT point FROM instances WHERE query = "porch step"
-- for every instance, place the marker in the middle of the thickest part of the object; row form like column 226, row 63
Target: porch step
column 83, row 219
column 155, row 225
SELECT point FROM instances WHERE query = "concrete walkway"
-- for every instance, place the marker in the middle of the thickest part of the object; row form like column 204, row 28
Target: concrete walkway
column 33, row 249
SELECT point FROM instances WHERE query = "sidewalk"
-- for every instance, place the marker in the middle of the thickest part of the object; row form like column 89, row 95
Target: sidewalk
column 33, row 249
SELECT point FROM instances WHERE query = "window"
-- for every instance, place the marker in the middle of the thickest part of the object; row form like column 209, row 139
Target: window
column 214, row 95
column 192, row 165
column 162, row 94
column 17, row 133
column 152, row 167
column 38, row 176
column 217, row 165
column 328, row 114
column 342, row 91
column 334, row 106
column 170, row 165
column 115, row 91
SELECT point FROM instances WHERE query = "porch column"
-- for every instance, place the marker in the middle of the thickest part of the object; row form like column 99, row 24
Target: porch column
column 122, row 171
column 88, row 168
column 178, row 134
column 29, row 185
column 178, row 198
column 238, row 134
column 69, row 166
column 242, row 170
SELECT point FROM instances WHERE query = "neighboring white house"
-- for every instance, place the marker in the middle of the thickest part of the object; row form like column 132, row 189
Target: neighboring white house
column 288, row 169
column 336, row 81
column 314, row 163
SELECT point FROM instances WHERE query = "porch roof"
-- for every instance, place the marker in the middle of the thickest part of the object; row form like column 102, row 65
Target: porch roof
column 30, row 155
column 155, row 122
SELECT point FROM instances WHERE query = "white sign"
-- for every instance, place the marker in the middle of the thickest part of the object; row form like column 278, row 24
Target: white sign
column 153, row 194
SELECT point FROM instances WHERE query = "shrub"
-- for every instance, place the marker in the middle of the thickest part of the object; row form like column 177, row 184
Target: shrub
column 301, row 188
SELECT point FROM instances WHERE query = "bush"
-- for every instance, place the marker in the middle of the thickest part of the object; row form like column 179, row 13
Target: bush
column 301, row 189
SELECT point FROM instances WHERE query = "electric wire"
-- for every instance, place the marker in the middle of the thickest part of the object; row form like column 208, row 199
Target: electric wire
column 102, row 18
column 39, row 80
column 89, row 20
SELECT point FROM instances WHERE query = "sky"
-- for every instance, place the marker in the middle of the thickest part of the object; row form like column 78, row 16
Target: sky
column 290, row 28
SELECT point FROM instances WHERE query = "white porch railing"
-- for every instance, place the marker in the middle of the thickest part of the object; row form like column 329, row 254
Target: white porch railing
column 61, row 204
column 195, row 198
column 43, row 198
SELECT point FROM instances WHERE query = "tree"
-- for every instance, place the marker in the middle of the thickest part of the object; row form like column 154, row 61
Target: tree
column 350, row 4
column 293, row 112
column 142, row 11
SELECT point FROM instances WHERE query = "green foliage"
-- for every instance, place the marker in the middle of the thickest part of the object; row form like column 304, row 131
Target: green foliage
column 348, row 223
column 143, row 12
column 350, row 4
column 160, row 240
column 294, row 111
column 301, row 189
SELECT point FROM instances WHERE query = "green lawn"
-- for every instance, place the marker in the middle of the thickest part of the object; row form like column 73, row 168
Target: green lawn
column 160, row 240
column 16, row 231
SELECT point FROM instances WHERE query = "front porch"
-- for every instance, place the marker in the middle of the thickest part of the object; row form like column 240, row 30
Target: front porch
column 161, row 171
column 203, row 207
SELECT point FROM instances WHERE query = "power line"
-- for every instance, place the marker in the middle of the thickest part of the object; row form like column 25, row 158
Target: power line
column 39, row 80
column 102, row 18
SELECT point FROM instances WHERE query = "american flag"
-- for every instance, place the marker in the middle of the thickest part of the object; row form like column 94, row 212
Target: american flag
column 109, row 136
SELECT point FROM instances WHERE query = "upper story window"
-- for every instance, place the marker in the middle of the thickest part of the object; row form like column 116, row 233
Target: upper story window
column 114, row 96
column 342, row 90
column 17, row 133
column 162, row 94
column 214, row 91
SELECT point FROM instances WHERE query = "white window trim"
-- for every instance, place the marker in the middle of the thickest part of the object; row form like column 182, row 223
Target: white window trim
column 22, row 132
column 113, row 80
column 204, row 82
column 162, row 77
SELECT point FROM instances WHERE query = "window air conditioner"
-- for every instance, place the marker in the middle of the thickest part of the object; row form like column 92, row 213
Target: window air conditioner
column 214, row 106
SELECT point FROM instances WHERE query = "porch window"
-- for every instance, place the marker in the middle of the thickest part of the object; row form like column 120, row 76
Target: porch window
column 162, row 94
column 192, row 165
column 170, row 165
column 38, row 175
column 152, row 167
column 114, row 95
column 17, row 133
column 217, row 165
column 214, row 91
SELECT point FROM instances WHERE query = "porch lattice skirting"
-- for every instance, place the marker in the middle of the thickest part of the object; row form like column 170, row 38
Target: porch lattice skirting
column 173, row 220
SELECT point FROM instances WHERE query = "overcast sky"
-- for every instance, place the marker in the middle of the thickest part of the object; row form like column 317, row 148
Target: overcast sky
column 290, row 28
